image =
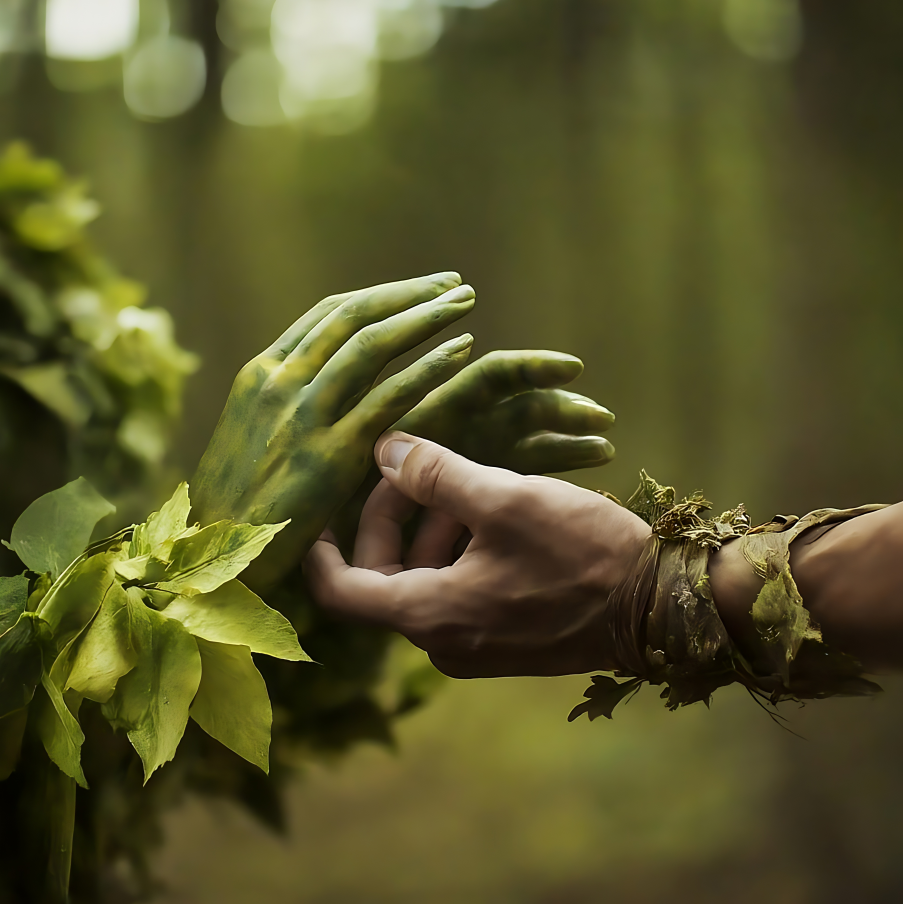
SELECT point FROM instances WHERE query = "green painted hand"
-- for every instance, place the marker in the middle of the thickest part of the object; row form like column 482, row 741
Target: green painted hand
column 296, row 437
column 504, row 410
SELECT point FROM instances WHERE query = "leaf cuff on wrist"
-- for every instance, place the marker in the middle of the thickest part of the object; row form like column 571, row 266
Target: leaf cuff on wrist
column 664, row 627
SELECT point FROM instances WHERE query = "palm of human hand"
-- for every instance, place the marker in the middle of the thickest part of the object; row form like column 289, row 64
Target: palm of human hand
column 506, row 410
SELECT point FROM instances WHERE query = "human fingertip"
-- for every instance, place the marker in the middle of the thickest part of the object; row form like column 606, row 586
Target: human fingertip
column 392, row 449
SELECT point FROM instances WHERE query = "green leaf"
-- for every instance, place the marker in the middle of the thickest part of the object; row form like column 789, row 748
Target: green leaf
column 13, row 599
column 12, row 730
column 57, row 527
column 232, row 704
column 73, row 601
column 105, row 651
column 233, row 614
column 215, row 554
column 156, row 536
column 60, row 732
column 20, row 663
column 151, row 702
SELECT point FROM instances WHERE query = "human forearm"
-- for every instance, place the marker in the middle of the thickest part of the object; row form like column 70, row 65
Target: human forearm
column 850, row 577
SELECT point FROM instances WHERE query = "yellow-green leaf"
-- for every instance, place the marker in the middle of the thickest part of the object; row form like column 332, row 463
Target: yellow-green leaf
column 105, row 651
column 60, row 732
column 156, row 536
column 232, row 704
column 151, row 702
column 56, row 528
column 215, row 554
column 73, row 601
column 233, row 614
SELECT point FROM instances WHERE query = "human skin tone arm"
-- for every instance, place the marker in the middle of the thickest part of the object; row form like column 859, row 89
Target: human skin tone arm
column 529, row 594
column 849, row 577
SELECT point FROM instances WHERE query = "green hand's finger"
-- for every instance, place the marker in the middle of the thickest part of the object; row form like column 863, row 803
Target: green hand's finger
column 547, row 453
column 556, row 410
column 502, row 374
column 321, row 340
column 357, row 364
column 421, row 289
column 382, row 407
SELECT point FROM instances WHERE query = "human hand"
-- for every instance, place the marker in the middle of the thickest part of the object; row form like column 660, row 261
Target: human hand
column 295, row 438
column 529, row 594
column 505, row 410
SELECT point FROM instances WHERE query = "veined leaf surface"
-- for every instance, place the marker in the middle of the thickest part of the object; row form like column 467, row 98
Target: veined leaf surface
column 151, row 701
column 57, row 527
column 233, row 614
column 73, row 601
column 159, row 532
column 215, row 554
column 105, row 651
column 232, row 704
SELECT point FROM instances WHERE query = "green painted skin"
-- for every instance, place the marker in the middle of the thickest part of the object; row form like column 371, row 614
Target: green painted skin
column 296, row 437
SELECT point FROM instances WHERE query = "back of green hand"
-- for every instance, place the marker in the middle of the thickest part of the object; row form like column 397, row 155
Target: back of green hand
column 296, row 437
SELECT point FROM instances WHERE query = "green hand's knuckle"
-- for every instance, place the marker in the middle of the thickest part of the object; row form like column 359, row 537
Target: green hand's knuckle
column 370, row 340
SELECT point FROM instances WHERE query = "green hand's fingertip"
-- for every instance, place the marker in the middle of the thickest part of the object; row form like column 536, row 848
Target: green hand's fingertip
column 459, row 295
column 457, row 346
column 594, row 448
column 554, row 369
column 449, row 278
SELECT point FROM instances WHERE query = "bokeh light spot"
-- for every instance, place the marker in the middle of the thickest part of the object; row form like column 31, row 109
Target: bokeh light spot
column 165, row 77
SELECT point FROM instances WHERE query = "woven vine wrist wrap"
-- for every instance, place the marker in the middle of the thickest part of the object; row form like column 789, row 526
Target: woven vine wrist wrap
column 664, row 628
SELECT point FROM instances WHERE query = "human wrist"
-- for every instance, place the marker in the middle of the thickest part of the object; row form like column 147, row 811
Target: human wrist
column 735, row 587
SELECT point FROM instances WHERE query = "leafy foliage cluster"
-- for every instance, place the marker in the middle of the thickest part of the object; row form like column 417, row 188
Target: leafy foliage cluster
column 151, row 623
column 75, row 335
column 78, row 346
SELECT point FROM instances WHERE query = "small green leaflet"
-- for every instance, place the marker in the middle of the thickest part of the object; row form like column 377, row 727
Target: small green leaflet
column 151, row 702
column 20, row 662
column 215, row 554
column 156, row 536
column 60, row 732
column 105, row 651
column 232, row 704
column 232, row 614
column 57, row 527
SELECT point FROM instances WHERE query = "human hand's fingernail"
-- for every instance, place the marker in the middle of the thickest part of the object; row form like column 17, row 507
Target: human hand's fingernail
column 393, row 453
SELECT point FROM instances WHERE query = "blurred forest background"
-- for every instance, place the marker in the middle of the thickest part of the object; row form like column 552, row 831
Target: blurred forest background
column 702, row 199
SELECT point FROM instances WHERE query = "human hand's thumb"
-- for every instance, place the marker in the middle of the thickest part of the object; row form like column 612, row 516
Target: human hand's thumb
column 436, row 477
